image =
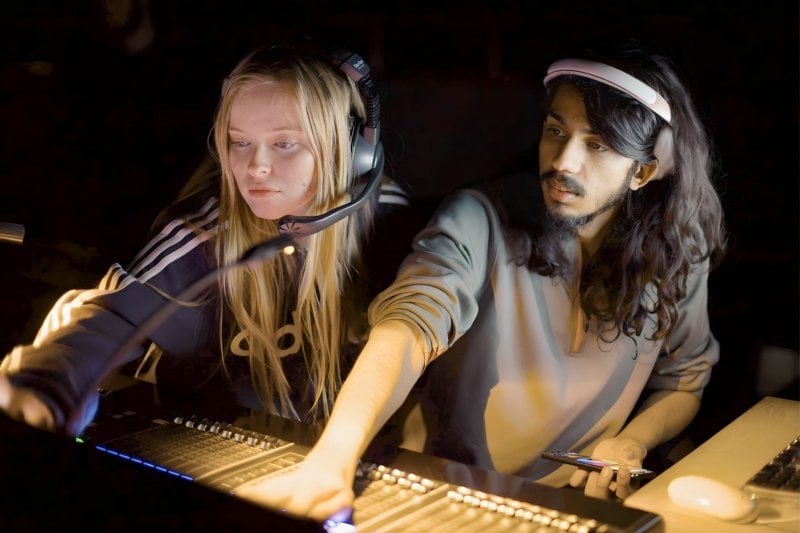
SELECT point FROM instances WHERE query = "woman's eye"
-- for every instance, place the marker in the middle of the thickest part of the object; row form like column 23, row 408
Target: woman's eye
column 284, row 145
column 239, row 144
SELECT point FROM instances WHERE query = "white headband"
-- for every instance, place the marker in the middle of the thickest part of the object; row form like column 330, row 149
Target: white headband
column 612, row 77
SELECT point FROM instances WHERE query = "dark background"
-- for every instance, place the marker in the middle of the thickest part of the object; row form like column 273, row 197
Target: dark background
column 98, row 132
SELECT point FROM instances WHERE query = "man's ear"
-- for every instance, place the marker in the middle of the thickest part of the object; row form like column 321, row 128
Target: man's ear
column 644, row 173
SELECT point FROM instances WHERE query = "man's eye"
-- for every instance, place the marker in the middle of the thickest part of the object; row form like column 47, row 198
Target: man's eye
column 552, row 130
column 597, row 146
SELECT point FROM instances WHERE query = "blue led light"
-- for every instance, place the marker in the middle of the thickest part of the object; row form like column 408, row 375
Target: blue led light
column 144, row 463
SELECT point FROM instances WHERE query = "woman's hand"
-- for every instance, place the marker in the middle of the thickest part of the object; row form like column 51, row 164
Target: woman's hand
column 312, row 489
column 628, row 453
column 24, row 405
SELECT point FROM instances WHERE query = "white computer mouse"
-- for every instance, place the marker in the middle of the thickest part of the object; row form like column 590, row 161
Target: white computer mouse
column 713, row 498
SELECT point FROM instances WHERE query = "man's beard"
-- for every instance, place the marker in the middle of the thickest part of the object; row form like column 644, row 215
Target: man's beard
column 573, row 223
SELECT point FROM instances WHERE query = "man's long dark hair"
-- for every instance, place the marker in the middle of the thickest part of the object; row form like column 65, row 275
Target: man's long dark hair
column 663, row 232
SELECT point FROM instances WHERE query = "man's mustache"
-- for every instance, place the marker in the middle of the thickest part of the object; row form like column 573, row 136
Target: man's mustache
column 565, row 182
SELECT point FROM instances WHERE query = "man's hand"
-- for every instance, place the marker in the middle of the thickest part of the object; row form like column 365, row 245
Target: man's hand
column 603, row 485
column 24, row 405
column 311, row 489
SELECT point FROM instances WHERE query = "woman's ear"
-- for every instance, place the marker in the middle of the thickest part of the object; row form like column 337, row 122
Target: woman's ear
column 644, row 173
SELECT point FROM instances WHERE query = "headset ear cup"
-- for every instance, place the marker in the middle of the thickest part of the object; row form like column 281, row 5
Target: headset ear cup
column 365, row 156
column 367, row 149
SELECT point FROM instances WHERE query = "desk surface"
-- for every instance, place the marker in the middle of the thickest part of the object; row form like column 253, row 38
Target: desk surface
column 730, row 456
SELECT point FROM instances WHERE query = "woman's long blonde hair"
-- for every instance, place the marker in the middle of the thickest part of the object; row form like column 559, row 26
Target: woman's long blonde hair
column 310, row 290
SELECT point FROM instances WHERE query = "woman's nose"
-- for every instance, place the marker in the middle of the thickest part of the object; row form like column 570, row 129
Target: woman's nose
column 260, row 164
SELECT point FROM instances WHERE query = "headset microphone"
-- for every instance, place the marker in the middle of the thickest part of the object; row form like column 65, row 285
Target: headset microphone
column 367, row 149
column 303, row 226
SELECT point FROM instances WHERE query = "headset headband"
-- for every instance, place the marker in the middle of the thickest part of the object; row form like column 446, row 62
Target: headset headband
column 612, row 77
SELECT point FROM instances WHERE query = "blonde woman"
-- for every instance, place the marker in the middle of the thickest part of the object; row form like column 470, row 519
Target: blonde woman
column 296, row 148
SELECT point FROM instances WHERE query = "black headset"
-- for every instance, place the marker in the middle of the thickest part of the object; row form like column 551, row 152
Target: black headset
column 367, row 150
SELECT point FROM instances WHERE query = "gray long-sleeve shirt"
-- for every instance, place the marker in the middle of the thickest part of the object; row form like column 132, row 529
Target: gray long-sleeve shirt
column 508, row 384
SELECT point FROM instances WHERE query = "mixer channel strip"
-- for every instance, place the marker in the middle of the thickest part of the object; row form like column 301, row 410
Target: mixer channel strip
column 194, row 450
column 397, row 501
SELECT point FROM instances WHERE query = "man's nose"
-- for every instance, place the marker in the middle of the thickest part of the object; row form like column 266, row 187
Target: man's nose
column 569, row 158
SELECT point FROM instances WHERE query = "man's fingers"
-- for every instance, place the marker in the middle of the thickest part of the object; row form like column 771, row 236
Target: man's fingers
column 282, row 492
column 578, row 478
column 598, row 483
column 625, row 485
